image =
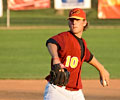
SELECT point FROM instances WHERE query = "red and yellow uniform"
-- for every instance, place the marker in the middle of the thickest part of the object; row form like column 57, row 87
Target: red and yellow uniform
column 72, row 52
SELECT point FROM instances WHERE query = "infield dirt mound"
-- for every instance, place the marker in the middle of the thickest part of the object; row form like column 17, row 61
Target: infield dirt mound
column 34, row 89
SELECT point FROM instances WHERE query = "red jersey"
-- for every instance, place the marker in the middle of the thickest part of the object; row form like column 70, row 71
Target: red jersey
column 70, row 55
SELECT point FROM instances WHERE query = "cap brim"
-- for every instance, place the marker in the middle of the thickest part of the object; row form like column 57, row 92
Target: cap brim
column 75, row 17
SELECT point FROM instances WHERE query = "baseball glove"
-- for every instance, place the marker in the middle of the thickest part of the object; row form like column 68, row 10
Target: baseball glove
column 59, row 76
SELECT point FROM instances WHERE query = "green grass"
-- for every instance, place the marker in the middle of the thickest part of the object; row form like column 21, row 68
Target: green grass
column 104, row 43
column 23, row 54
column 34, row 17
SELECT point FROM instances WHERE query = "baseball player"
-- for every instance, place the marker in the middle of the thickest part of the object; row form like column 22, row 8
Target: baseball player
column 68, row 51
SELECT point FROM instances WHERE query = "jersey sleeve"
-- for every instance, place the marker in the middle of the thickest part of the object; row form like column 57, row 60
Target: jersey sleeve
column 59, row 40
column 88, row 56
column 53, row 42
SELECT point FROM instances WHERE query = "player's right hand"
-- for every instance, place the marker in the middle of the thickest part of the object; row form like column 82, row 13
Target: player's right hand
column 104, row 77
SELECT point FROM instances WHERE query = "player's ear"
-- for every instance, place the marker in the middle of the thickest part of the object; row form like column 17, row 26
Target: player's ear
column 85, row 22
column 69, row 23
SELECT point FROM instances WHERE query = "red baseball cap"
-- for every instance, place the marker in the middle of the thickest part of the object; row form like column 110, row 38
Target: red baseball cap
column 77, row 13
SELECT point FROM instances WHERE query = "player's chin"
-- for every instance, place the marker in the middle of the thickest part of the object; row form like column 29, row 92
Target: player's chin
column 75, row 31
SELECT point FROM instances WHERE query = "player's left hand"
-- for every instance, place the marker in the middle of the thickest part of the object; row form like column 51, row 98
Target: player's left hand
column 59, row 76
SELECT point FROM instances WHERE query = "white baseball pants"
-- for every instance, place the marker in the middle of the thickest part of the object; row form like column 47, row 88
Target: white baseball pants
column 53, row 92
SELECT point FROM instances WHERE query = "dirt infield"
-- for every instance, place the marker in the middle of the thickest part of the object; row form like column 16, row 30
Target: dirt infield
column 34, row 89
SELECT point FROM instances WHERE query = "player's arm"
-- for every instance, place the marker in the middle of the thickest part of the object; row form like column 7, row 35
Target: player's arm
column 104, row 74
column 52, row 48
column 58, row 74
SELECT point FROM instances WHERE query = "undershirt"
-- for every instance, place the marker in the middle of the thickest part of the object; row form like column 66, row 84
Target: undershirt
column 82, row 47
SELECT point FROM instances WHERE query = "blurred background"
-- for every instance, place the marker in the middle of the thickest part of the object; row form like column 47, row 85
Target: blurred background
column 46, row 15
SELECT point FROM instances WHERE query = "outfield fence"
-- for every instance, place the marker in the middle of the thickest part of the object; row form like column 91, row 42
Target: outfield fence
column 48, row 17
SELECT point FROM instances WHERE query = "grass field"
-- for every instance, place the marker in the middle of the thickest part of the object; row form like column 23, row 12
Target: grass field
column 49, row 17
column 23, row 54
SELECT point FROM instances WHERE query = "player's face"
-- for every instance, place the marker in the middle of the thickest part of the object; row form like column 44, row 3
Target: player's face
column 77, row 25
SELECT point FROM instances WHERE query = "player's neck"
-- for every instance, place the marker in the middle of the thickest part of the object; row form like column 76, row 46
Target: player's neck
column 79, row 35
